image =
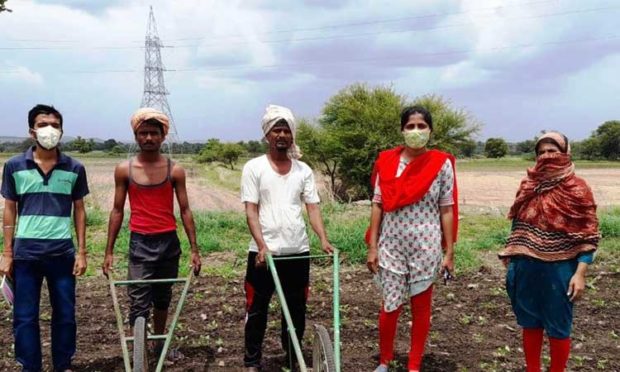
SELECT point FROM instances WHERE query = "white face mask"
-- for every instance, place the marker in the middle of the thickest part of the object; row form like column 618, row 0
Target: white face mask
column 417, row 138
column 48, row 137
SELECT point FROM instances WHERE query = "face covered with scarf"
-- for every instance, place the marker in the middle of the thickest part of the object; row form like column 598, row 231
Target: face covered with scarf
column 279, row 128
column 554, row 213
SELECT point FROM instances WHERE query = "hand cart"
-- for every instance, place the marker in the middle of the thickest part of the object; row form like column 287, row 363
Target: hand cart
column 140, row 337
column 325, row 355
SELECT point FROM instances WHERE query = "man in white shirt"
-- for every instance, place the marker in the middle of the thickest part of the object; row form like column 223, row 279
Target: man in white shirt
column 274, row 187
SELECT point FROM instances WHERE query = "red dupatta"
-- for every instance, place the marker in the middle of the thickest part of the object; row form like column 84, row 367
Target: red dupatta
column 414, row 182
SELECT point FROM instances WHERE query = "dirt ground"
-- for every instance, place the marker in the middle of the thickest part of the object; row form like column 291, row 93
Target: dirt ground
column 497, row 189
column 473, row 327
column 479, row 191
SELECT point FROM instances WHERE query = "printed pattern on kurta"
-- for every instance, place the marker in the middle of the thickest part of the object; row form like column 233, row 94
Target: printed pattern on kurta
column 410, row 252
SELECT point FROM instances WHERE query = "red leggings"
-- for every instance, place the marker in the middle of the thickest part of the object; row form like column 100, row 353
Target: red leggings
column 420, row 326
column 559, row 348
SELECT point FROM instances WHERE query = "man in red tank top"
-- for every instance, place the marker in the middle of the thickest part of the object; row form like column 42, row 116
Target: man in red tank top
column 151, row 180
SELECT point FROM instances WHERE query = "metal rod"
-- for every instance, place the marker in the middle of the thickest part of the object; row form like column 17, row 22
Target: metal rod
column 119, row 323
column 150, row 337
column 149, row 281
column 287, row 314
column 336, row 310
column 173, row 324
column 284, row 258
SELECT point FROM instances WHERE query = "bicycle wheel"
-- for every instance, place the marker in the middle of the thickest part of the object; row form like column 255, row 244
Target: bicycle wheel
column 140, row 350
column 322, row 351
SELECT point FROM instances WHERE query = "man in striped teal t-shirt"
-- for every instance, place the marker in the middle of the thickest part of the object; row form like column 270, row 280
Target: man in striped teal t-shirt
column 41, row 189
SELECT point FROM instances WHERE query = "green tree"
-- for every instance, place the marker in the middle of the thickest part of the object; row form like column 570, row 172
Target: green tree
column 468, row 148
column 3, row 7
column 359, row 121
column 322, row 152
column 109, row 144
column 210, row 151
column 526, row 147
column 607, row 136
column 495, row 148
column 452, row 128
column 229, row 154
column 117, row 150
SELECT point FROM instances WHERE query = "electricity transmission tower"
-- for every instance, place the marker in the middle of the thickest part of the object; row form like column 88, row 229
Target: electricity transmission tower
column 154, row 88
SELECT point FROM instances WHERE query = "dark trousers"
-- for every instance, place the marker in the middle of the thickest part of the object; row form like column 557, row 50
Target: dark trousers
column 28, row 275
column 259, row 287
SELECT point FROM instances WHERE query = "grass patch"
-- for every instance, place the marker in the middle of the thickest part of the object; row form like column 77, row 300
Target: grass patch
column 346, row 226
column 609, row 222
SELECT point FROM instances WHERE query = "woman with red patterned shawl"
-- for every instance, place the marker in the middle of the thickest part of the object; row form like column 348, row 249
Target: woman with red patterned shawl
column 553, row 238
column 414, row 211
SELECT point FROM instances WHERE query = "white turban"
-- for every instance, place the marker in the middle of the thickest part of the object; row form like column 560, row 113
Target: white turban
column 275, row 113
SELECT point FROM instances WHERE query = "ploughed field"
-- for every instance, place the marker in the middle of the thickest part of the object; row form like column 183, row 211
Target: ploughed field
column 473, row 328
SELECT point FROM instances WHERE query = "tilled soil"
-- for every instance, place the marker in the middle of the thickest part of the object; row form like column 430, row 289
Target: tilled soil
column 473, row 328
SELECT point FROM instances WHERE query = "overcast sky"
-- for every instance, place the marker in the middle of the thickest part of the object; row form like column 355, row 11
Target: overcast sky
column 518, row 66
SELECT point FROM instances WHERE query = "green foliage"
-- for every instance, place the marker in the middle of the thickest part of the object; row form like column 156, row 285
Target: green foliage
column 495, row 148
column 453, row 129
column 322, row 152
column 359, row 121
column 526, row 147
column 254, row 147
column 230, row 153
column 468, row 148
column 81, row 145
column 609, row 223
column 117, row 150
column 227, row 153
column 210, row 151
column 604, row 143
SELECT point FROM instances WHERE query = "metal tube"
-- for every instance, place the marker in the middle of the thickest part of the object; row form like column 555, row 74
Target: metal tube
column 150, row 337
column 284, row 258
column 173, row 324
column 287, row 314
column 119, row 323
column 336, row 310
column 149, row 281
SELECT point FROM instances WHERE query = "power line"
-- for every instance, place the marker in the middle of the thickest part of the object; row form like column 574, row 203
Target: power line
column 329, row 37
column 373, row 22
column 358, row 35
column 320, row 28
column 363, row 60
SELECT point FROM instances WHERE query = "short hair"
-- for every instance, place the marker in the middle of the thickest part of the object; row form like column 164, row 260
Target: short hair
column 45, row 110
column 549, row 140
column 153, row 122
column 408, row 111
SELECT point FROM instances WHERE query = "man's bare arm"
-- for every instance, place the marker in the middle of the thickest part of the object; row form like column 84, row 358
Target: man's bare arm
column 180, row 188
column 251, row 213
column 121, row 180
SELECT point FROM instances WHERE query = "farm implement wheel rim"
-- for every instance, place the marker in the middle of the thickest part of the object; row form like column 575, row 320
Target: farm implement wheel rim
column 140, row 350
column 322, row 351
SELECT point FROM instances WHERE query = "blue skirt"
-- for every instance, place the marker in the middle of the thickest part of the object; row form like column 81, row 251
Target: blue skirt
column 537, row 291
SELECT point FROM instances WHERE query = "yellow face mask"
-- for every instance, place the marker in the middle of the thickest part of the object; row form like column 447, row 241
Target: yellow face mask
column 417, row 138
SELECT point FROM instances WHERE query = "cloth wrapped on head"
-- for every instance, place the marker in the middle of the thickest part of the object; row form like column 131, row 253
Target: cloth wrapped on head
column 558, row 138
column 147, row 113
column 275, row 113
